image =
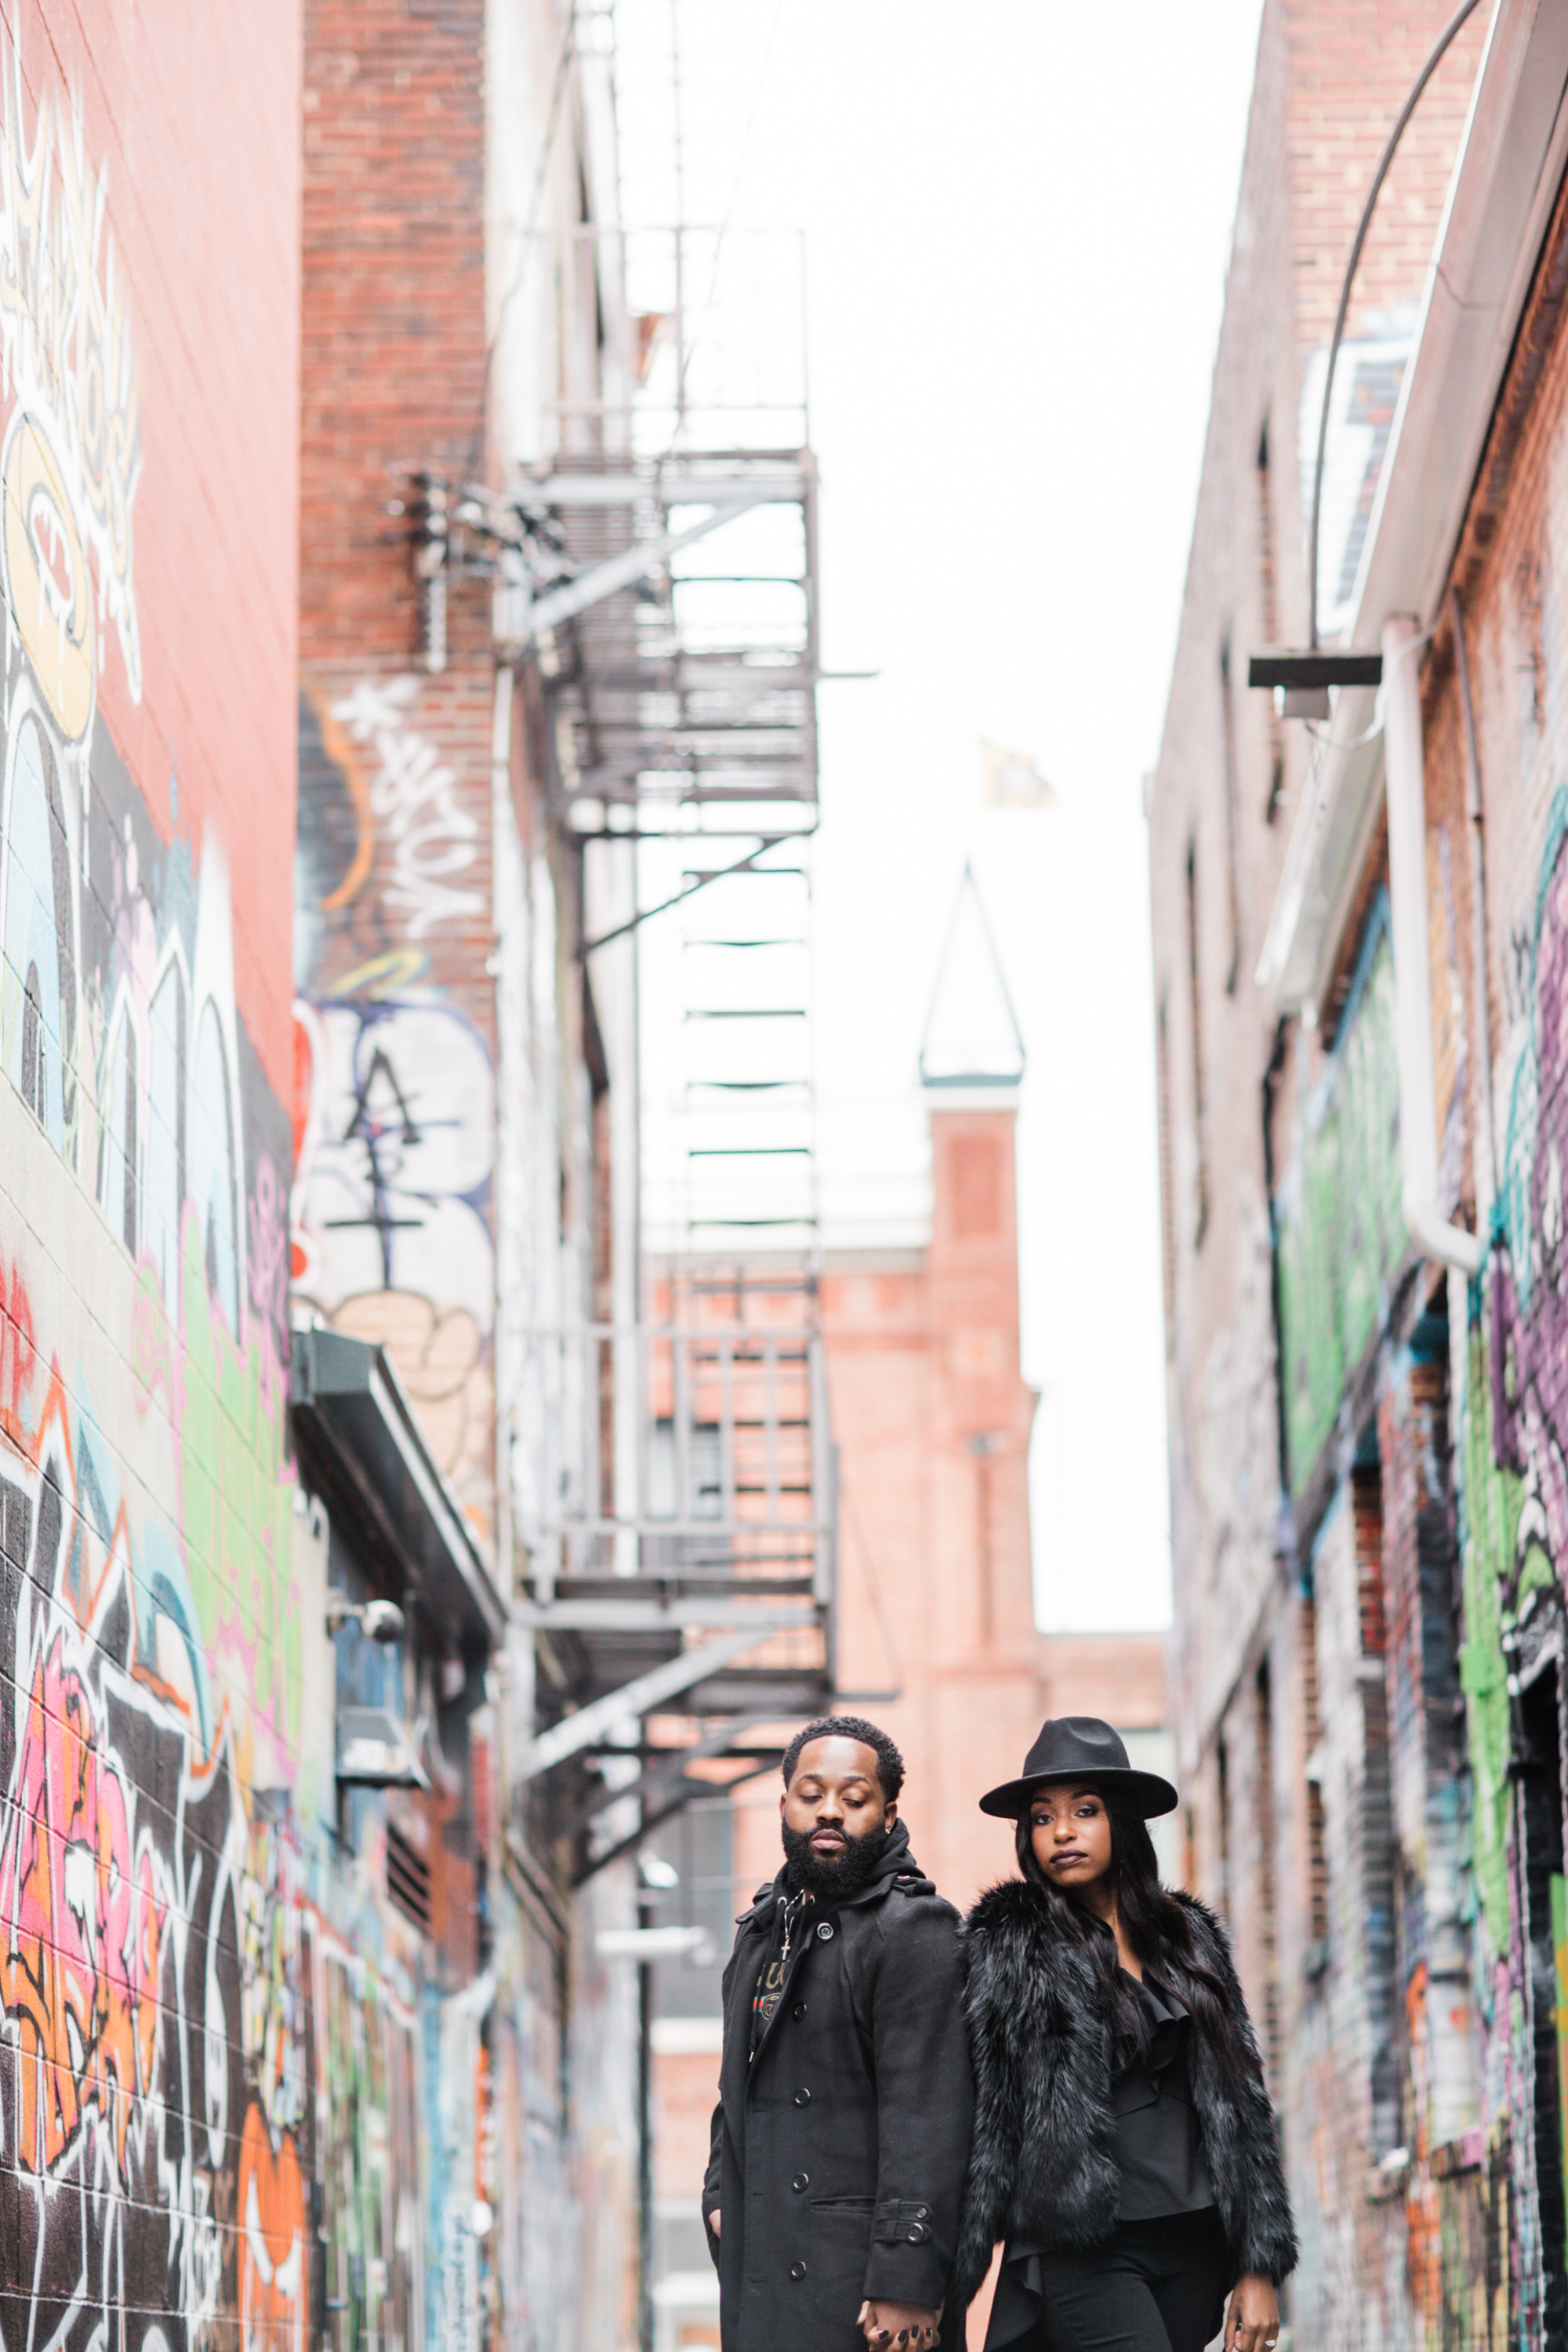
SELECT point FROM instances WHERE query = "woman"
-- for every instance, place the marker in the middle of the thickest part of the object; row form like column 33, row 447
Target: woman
column 1125, row 2146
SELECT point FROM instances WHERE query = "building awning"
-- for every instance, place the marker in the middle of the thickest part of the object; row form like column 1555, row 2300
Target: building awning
column 359, row 1434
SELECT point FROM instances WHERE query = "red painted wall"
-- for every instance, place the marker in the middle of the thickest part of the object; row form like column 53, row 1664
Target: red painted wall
column 189, row 125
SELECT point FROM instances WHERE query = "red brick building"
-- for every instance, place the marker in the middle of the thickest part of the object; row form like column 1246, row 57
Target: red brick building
column 457, row 1075
column 935, row 1628
column 1356, row 966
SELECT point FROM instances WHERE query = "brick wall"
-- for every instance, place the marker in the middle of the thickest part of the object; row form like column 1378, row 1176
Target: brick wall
column 1508, row 1383
column 393, row 334
column 932, row 1419
column 1278, row 1542
column 1349, row 69
column 445, row 1181
column 396, row 1237
column 165, row 1744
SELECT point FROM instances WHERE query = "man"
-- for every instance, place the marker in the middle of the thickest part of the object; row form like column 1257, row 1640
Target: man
column 842, row 2130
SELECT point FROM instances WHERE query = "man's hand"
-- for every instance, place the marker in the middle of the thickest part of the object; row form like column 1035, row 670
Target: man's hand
column 900, row 2326
column 1252, row 2323
column 713, row 2221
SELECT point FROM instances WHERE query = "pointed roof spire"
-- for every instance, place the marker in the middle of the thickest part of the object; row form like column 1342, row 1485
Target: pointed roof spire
column 972, row 1037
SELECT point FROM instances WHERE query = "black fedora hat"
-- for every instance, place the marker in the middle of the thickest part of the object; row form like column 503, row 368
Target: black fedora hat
column 1082, row 1748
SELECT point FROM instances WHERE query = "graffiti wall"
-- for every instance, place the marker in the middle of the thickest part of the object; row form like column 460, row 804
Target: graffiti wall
column 209, row 2057
column 1340, row 1224
column 392, row 1237
column 1514, row 1531
column 1510, row 1404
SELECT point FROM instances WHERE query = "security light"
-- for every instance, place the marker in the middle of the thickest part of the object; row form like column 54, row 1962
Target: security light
column 378, row 1621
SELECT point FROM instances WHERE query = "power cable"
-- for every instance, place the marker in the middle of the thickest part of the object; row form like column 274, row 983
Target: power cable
column 557, row 94
column 728, row 220
column 1439, row 50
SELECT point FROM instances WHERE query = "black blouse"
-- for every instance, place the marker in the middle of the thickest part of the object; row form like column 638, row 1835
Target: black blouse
column 1158, row 2143
column 1158, row 2147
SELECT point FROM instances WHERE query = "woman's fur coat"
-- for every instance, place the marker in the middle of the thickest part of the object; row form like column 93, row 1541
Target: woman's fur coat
column 1041, row 2164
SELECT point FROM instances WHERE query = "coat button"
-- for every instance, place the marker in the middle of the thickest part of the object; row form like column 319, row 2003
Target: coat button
column 797, row 2270
column 825, row 1932
column 922, row 2212
column 917, row 2236
column 802, row 2098
column 798, row 2012
column 801, row 2180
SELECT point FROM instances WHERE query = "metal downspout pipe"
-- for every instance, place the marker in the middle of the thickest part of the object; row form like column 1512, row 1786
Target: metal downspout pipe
column 1404, row 777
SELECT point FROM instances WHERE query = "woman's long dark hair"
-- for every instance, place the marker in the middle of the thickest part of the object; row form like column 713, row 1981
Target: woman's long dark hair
column 1158, row 1931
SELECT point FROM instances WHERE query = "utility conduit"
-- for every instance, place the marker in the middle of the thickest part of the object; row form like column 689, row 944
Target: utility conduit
column 1405, row 783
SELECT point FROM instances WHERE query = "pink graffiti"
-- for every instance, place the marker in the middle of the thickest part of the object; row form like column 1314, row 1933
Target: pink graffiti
column 79, row 1965
column 267, row 1258
column 18, row 1347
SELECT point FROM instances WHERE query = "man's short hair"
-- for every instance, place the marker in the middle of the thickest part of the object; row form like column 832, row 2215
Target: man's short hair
column 890, row 1763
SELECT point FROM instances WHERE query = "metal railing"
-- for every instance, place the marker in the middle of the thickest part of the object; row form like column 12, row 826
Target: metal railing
column 694, row 1458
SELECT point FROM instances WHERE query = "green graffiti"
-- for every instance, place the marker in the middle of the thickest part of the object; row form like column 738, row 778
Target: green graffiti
column 227, row 1412
column 369, row 2175
column 1339, row 1221
column 1492, row 1501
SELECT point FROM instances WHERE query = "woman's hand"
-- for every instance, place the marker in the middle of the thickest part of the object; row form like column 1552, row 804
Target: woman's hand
column 1252, row 2323
column 713, row 2221
column 900, row 2326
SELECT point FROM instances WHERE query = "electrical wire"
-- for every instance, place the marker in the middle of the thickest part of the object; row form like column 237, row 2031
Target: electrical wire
column 1439, row 50
column 725, row 225
column 530, row 229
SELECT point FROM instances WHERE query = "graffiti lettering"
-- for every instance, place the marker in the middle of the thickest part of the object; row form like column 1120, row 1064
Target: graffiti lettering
column 74, row 453
column 391, row 1207
column 414, row 796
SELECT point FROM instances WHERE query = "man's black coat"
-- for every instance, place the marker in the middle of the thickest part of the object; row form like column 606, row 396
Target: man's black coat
column 839, row 2150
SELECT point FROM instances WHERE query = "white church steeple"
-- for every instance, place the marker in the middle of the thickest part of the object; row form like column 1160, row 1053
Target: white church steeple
column 971, row 1040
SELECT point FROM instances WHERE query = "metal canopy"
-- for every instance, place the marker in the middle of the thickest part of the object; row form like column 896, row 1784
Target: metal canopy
column 358, row 1433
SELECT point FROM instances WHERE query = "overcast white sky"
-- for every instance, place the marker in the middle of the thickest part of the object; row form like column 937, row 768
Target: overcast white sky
column 1018, row 218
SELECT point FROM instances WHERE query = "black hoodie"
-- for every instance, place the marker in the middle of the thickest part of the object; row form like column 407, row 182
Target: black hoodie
column 839, row 2148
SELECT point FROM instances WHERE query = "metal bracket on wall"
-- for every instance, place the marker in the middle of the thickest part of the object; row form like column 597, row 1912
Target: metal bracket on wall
column 639, row 1696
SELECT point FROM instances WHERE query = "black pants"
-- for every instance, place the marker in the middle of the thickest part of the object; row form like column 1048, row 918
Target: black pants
column 1155, row 2286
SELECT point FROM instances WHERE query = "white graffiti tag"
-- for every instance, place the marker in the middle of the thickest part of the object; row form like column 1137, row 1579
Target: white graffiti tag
column 74, row 450
column 413, row 795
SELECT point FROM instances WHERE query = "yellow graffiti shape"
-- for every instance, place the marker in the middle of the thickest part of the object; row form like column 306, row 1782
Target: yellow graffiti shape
column 47, row 583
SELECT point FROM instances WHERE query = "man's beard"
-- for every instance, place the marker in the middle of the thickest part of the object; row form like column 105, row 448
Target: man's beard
column 844, row 1872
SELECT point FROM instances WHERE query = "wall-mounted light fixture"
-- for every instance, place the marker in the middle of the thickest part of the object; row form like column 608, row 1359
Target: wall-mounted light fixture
column 1301, row 676
column 378, row 1621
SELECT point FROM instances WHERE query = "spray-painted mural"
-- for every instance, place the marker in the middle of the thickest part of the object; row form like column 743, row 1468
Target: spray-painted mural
column 1513, row 1497
column 391, row 1228
column 210, row 2052
column 1339, row 1223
